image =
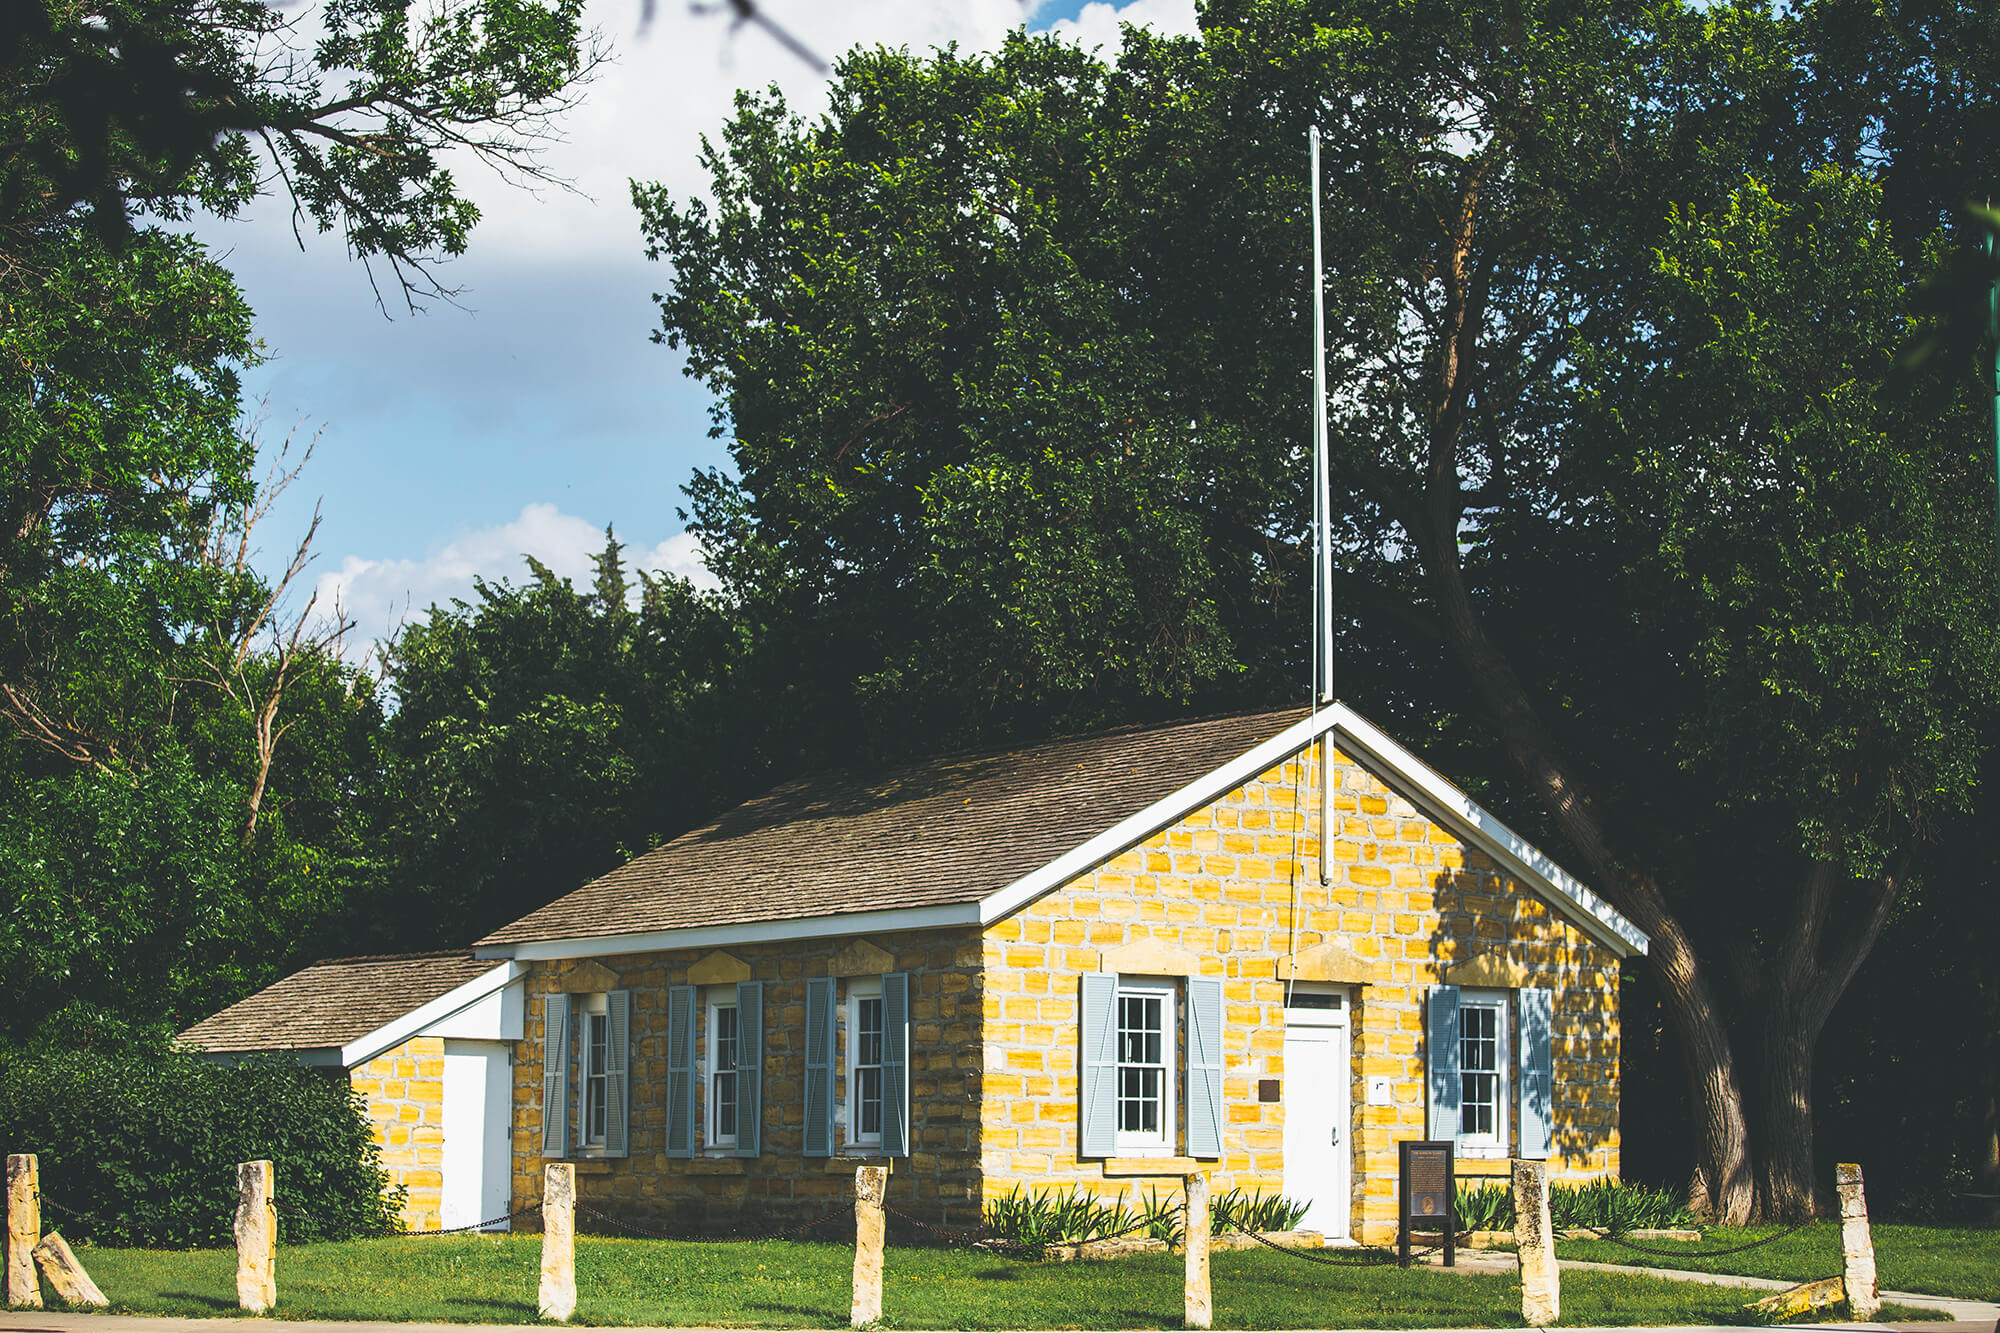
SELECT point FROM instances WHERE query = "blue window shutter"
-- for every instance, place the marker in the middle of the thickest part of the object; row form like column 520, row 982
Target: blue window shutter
column 555, row 1076
column 1097, row 1115
column 819, row 1067
column 1538, row 1069
column 749, row 1068
column 1446, row 1089
column 896, row 1064
column 617, row 1083
column 1204, row 1067
column 680, row 1071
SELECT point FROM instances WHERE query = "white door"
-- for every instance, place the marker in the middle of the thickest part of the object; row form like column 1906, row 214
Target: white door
column 478, row 1097
column 1317, row 1119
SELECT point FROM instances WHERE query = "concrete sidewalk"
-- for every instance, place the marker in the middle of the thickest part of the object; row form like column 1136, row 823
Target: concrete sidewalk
column 36, row 1321
column 1965, row 1316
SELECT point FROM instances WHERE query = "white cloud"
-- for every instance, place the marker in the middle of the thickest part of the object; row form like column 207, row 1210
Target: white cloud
column 378, row 595
column 1096, row 26
column 644, row 114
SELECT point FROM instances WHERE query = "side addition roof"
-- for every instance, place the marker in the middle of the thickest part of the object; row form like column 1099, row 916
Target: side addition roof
column 352, row 1008
column 968, row 839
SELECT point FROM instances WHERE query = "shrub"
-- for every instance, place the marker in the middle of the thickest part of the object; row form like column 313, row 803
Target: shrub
column 1485, row 1208
column 1255, row 1211
column 1606, row 1204
column 1037, row 1221
column 144, row 1144
column 1614, row 1206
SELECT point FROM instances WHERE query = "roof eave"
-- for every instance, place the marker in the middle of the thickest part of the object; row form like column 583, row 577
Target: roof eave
column 742, row 932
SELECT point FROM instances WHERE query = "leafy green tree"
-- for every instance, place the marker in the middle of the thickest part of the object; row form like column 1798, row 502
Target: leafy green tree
column 1008, row 353
column 174, row 106
column 541, row 735
column 941, row 326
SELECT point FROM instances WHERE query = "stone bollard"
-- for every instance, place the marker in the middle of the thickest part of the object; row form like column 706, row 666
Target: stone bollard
column 871, row 1185
column 557, row 1299
column 1535, row 1244
column 1197, row 1300
column 65, row 1273
column 1857, row 1245
column 256, row 1238
column 24, row 1229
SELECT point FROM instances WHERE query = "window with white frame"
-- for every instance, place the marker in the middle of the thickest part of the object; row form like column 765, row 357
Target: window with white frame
column 594, row 1028
column 1145, row 1076
column 722, row 1099
column 864, row 1063
column 1482, row 1071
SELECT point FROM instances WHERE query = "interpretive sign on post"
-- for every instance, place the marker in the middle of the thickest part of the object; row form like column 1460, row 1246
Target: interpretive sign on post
column 1425, row 1197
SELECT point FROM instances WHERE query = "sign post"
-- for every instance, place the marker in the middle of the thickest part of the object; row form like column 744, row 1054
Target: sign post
column 1425, row 1195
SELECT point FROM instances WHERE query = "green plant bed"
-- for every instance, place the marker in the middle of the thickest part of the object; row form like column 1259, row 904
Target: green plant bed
column 805, row 1285
column 1938, row 1261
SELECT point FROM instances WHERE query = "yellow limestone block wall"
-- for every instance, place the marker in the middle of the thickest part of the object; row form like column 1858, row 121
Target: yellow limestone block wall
column 717, row 1190
column 404, row 1091
column 1407, row 899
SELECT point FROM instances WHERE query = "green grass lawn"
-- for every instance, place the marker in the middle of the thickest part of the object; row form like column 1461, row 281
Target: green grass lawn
column 1941, row 1261
column 805, row 1285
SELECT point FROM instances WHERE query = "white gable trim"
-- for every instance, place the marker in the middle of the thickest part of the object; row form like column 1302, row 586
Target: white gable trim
column 399, row 1030
column 1407, row 775
column 1425, row 787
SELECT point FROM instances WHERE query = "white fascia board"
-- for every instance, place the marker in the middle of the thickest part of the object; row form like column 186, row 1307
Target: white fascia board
column 399, row 1030
column 742, row 932
column 1431, row 792
column 327, row 1056
column 1403, row 771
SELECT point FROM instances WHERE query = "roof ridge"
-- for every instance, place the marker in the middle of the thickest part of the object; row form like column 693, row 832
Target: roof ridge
column 464, row 953
column 1028, row 747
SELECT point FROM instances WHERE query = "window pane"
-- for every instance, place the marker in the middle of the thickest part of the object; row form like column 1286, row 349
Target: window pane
column 1479, row 1039
column 868, row 1040
column 725, row 1106
column 725, row 1039
column 1142, row 1050
column 1479, row 1065
column 1476, row 1107
column 871, row 1099
column 596, row 1041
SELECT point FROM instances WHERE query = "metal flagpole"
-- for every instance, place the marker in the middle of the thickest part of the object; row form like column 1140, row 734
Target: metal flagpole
column 1322, row 532
column 1993, row 336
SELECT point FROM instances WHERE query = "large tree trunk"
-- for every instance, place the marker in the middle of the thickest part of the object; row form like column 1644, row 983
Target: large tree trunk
column 1785, row 1186
column 1792, row 990
column 1986, row 1144
column 1722, row 1186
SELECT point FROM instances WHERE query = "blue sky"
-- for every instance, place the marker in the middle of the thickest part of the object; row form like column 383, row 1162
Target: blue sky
column 537, row 410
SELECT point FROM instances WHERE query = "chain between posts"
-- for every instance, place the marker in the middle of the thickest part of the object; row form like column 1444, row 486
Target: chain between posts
column 1793, row 1230
column 1364, row 1258
column 783, row 1233
column 976, row 1239
column 78, row 1214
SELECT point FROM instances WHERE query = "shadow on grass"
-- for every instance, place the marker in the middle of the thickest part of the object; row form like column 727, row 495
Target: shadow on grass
column 201, row 1298
column 477, row 1303
column 996, row 1274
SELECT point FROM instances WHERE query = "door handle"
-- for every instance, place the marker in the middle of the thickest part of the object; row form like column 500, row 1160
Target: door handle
column 1336, row 1136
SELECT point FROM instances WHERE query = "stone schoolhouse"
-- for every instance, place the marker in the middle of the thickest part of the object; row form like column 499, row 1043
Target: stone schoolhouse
column 1085, row 964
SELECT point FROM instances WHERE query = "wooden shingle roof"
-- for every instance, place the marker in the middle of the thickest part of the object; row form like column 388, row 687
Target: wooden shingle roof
column 947, row 831
column 336, row 1002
